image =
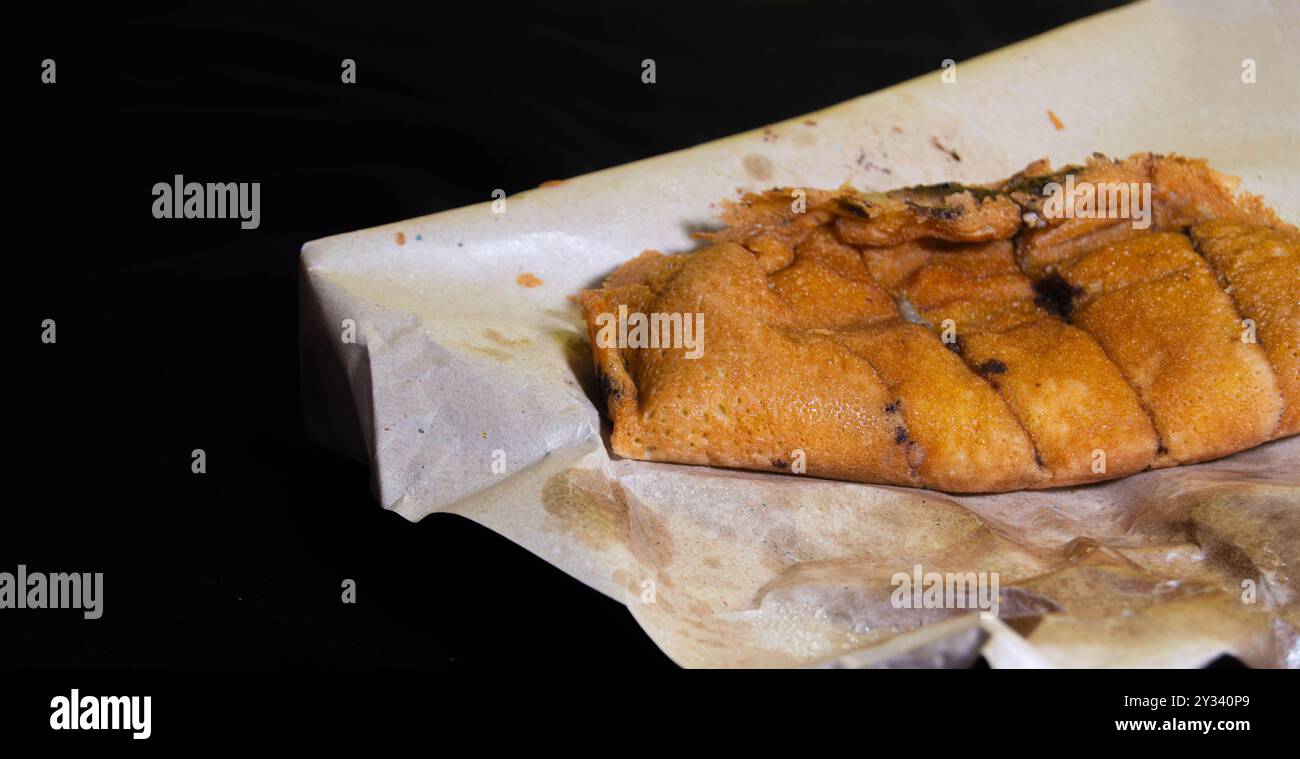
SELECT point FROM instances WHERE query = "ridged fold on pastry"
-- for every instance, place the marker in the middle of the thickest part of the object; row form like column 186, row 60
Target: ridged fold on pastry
column 1259, row 268
column 964, row 338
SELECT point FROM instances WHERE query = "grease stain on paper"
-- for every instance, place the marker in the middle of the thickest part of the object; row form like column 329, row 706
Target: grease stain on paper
column 758, row 167
column 599, row 512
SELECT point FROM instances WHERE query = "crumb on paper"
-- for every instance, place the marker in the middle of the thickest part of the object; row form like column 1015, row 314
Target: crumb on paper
column 951, row 153
column 551, row 183
column 528, row 279
column 1056, row 121
column 401, row 238
column 862, row 162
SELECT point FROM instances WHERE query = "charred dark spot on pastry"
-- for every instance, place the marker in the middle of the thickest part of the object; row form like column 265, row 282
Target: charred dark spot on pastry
column 1056, row 296
column 1038, row 459
column 893, row 407
column 1161, row 449
column 939, row 188
column 992, row 366
column 780, row 463
column 940, row 212
column 900, row 435
column 954, row 345
column 607, row 386
column 854, row 206
column 944, row 189
column 1034, row 186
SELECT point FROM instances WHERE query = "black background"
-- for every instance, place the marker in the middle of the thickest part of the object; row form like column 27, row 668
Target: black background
column 175, row 335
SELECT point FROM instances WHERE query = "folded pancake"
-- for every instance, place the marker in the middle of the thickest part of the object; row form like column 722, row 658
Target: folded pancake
column 963, row 436
column 813, row 358
column 1156, row 309
column 1259, row 268
column 964, row 337
column 1085, row 421
column 759, row 392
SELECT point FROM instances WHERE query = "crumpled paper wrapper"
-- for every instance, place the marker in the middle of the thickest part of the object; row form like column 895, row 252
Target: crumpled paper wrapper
column 457, row 366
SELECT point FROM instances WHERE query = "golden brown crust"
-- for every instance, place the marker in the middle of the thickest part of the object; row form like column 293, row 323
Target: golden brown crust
column 1155, row 308
column 1184, row 191
column 1045, row 352
column 1259, row 268
column 967, row 438
column 761, row 395
column 1085, row 422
